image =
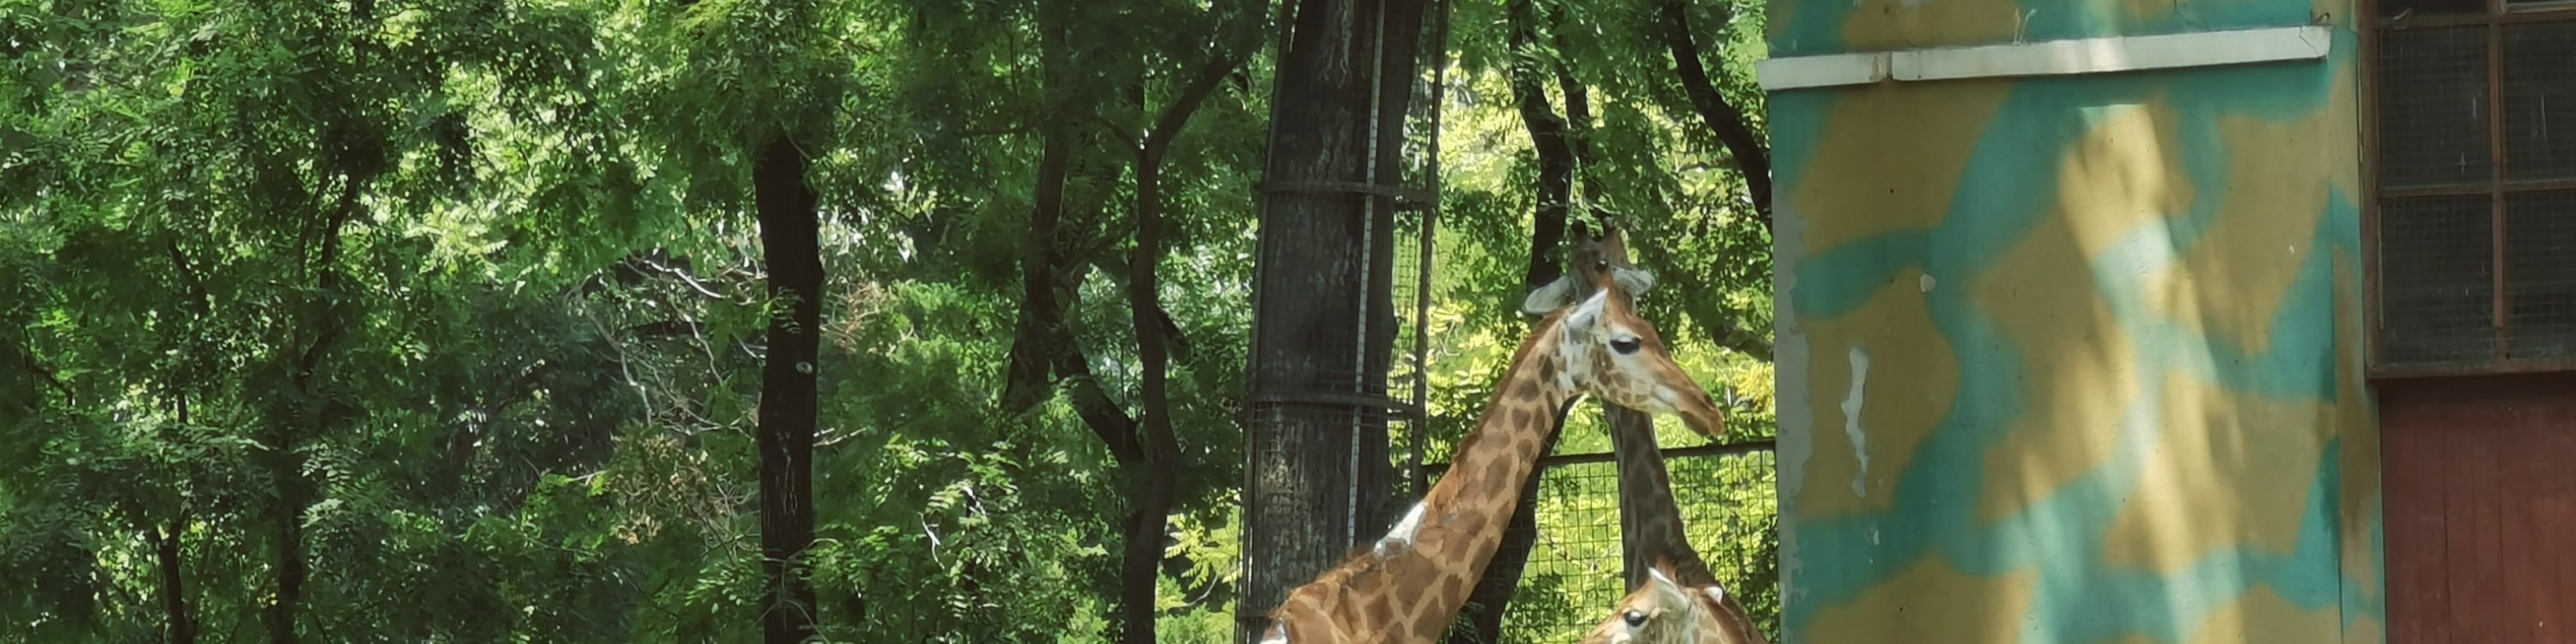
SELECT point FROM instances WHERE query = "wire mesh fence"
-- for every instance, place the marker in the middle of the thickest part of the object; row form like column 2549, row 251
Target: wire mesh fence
column 1572, row 578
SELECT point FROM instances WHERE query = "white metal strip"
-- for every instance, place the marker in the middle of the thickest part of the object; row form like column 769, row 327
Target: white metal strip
column 2071, row 56
column 1821, row 71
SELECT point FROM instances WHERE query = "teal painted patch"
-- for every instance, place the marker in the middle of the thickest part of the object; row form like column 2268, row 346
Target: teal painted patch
column 1814, row 27
column 1797, row 122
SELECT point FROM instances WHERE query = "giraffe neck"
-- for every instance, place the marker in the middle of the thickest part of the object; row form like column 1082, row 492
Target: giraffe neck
column 1650, row 521
column 1412, row 585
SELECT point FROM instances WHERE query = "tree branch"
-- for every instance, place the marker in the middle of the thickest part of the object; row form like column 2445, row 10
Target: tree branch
column 1723, row 119
column 1547, row 138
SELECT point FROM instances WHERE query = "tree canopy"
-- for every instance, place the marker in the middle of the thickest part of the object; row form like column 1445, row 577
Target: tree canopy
column 458, row 321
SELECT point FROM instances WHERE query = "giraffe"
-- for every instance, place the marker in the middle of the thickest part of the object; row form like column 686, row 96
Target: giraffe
column 1663, row 611
column 1650, row 520
column 1412, row 582
column 1650, row 523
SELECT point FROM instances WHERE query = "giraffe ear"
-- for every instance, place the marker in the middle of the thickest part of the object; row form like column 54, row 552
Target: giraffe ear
column 1553, row 296
column 1632, row 279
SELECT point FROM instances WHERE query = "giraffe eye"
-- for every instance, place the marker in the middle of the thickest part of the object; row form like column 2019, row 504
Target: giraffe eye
column 1635, row 618
column 1625, row 344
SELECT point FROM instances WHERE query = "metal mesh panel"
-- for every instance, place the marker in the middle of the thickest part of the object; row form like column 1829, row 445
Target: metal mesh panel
column 2540, row 272
column 2432, row 100
column 2539, row 102
column 1573, row 575
column 2437, row 284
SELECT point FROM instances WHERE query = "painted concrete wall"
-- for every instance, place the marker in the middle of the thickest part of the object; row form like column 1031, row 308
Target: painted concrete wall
column 2073, row 359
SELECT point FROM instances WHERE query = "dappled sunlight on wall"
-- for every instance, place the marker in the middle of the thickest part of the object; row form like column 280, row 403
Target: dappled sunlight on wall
column 2104, row 334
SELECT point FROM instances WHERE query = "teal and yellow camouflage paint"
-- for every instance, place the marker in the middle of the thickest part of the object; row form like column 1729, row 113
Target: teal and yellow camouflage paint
column 2073, row 358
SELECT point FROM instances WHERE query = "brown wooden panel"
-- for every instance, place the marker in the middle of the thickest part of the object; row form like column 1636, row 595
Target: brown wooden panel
column 2411, row 520
column 2562, row 513
column 2480, row 508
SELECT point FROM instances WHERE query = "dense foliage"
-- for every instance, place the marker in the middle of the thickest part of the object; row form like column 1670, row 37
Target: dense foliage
column 444, row 321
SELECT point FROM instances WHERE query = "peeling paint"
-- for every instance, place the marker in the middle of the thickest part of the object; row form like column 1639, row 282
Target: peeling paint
column 1851, row 419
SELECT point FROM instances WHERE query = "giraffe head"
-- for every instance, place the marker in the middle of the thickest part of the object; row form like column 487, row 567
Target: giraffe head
column 1612, row 353
column 1659, row 611
column 1663, row 611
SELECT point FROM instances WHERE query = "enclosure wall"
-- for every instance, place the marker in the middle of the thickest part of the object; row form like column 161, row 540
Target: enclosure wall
column 2073, row 358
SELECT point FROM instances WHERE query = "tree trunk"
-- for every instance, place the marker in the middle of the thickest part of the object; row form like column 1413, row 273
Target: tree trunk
column 1041, row 314
column 1144, row 556
column 182, row 628
column 794, row 259
column 286, row 466
column 1547, row 138
column 1317, row 473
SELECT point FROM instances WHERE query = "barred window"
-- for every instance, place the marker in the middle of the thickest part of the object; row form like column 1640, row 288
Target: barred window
column 2473, row 146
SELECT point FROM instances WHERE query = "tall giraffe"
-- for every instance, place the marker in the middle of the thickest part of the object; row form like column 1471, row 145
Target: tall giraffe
column 1413, row 582
column 1664, row 611
column 1653, row 544
column 1650, row 522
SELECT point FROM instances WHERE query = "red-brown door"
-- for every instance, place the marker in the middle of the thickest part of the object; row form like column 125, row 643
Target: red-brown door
column 2480, row 508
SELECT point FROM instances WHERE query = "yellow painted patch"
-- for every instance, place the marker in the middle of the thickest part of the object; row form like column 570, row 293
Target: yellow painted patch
column 2365, row 630
column 1912, row 379
column 2230, row 283
column 2081, row 367
column 2227, row 470
column 1900, row 24
column 1930, row 601
column 2263, row 617
column 1895, row 156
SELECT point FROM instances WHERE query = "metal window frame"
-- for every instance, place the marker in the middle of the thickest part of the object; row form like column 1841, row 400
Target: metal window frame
column 2498, row 14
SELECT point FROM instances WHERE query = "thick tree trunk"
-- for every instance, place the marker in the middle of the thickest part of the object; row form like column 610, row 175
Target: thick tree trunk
column 1318, row 475
column 794, row 259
